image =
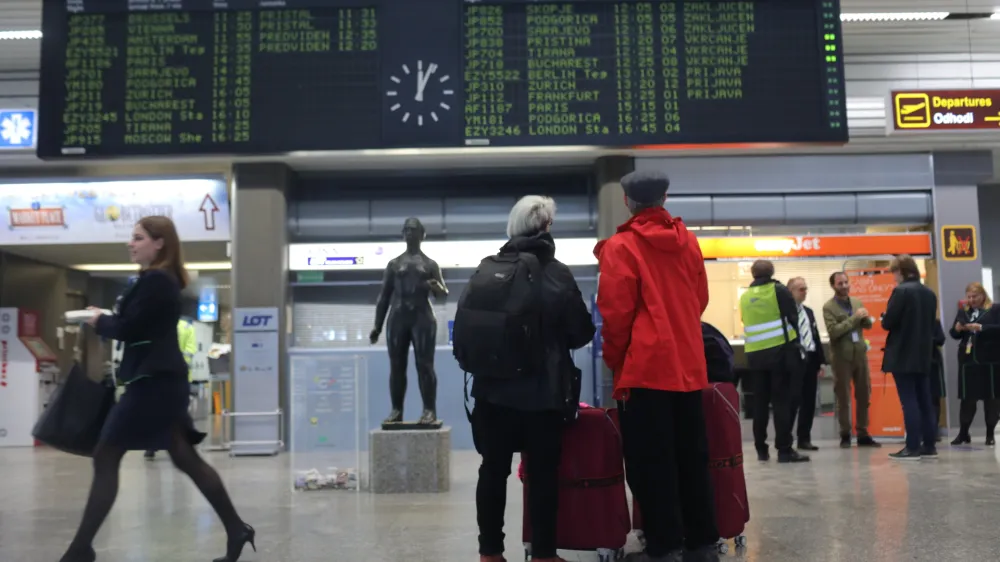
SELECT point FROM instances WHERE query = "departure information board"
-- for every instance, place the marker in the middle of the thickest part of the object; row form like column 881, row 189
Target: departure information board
column 171, row 77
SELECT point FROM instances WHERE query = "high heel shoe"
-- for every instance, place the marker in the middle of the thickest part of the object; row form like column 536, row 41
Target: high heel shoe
column 235, row 544
column 962, row 440
column 79, row 555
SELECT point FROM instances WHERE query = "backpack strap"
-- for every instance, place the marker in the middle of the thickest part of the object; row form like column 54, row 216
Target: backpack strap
column 468, row 412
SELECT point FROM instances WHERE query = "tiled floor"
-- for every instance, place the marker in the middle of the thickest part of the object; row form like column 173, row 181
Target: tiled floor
column 844, row 506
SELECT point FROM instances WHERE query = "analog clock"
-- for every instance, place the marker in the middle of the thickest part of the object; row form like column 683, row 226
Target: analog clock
column 419, row 96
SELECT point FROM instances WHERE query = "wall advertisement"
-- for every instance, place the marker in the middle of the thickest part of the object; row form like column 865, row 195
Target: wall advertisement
column 104, row 212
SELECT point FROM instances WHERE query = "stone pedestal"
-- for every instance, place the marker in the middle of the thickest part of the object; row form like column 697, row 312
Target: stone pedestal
column 410, row 461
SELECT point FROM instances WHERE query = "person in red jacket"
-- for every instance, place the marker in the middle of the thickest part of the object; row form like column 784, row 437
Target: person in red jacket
column 651, row 293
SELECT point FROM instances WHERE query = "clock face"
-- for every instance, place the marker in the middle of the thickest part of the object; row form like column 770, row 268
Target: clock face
column 420, row 94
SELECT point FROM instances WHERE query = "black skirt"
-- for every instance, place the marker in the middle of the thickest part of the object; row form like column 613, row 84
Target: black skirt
column 148, row 411
column 978, row 382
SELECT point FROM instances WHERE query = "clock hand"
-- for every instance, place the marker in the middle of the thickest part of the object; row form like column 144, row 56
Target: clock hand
column 422, row 78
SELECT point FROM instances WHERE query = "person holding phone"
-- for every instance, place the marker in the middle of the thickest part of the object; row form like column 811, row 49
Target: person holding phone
column 975, row 382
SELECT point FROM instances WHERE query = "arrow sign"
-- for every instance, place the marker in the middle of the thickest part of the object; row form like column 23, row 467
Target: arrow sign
column 208, row 209
column 995, row 119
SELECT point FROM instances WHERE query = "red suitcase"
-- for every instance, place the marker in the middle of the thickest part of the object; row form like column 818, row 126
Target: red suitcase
column 593, row 508
column 725, row 459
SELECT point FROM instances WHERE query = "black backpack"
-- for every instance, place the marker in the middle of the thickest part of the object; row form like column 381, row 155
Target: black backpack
column 498, row 323
column 718, row 354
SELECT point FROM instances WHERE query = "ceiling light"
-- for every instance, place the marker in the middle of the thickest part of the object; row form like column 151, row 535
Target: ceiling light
column 22, row 34
column 193, row 266
column 893, row 16
column 995, row 16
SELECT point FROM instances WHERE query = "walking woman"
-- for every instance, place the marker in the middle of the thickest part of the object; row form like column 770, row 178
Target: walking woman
column 976, row 381
column 153, row 412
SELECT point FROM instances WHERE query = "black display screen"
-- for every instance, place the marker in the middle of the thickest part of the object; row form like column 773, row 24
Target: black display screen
column 167, row 77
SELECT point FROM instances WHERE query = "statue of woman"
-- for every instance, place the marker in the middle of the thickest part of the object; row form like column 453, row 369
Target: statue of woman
column 409, row 281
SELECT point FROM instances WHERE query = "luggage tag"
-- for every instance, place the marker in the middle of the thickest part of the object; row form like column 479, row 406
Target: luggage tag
column 855, row 338
column 968, row 347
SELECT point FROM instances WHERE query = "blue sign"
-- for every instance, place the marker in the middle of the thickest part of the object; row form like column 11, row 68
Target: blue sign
column 258, row 320
column 208, row 305
column 17, row 128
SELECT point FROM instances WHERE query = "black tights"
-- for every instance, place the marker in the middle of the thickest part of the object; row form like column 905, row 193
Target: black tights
column 967, row 413
column 104, row 488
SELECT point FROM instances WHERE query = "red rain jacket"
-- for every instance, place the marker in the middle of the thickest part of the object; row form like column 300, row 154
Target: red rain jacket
column 651, row 294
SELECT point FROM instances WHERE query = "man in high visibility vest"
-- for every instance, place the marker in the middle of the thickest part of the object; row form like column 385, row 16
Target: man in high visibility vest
column 774, row 353
column 189, row 346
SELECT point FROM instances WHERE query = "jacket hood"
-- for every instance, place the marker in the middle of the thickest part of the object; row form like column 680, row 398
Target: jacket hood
column 663, row 232
column 541, row 245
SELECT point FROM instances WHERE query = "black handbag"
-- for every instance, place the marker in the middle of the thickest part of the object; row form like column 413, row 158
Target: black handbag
column 76, row 413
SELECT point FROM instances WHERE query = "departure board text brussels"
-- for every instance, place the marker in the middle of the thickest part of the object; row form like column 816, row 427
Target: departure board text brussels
column 165, row 77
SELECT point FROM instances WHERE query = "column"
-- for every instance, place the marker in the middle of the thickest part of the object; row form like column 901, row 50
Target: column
column 611, row 212
column 956, row 203
column 260, row 282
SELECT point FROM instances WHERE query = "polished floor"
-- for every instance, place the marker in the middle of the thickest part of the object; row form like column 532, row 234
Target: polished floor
column 854, row 505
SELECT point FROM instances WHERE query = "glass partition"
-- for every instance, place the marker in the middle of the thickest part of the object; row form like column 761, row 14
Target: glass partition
column 329, row 420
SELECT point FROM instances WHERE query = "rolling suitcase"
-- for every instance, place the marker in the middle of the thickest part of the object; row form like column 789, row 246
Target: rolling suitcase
column 725, row 461
column 593, row 508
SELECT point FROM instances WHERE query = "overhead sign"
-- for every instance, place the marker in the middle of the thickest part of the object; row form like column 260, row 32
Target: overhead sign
column 958, row 243
column 17, row 129
column 131, row 77
column 208, row 305
column 945, row 110
column 752, row 247
column 106, row 211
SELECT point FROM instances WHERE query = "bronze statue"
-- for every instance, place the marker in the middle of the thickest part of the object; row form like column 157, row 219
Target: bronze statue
column 409, row 281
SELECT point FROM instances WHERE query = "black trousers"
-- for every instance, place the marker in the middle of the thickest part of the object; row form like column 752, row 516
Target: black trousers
column 778, row 384
column 502, row 432
column 806, row 410
column 666, row 461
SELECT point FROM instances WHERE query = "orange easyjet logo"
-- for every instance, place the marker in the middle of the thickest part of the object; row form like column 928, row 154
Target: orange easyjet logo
column 917, row 244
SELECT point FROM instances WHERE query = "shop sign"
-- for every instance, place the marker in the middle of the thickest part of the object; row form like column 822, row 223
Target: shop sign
column 101, row 212
column 958, row 243
column 752, row 247
column 945, row 110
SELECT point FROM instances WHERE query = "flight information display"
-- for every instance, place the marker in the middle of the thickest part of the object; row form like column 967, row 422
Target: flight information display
column 188, row 77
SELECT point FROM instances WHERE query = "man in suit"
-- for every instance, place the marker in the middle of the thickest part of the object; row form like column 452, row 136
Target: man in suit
column 814, row 361
column 846, row 319
column 909, row 318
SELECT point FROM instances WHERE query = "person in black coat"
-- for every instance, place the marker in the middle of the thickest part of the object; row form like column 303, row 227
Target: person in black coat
column 153, row 411
column 815, row 358
column 909, row 348
column 976, row 381
column 527, row 414
column 938, row 386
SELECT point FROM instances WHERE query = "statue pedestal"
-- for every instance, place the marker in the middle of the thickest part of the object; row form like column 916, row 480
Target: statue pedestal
column 410, row 461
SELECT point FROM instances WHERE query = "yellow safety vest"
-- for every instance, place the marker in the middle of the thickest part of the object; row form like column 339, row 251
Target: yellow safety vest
column 188, row 342
column 762, row 322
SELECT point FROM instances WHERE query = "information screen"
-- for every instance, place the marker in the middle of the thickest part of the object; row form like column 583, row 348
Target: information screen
column 166, row 77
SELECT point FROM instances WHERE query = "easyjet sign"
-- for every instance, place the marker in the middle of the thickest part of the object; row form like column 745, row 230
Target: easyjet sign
column 751, row 247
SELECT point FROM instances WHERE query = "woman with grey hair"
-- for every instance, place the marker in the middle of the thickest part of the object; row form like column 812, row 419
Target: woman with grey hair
column 526, row 413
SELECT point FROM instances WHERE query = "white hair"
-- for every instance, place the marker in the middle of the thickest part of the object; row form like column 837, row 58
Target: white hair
column 531, row 214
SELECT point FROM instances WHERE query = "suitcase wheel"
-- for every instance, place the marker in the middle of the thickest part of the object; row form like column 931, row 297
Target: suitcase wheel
column 641, row 537
column 741, row 541
column 722, row 546
column 610, row 555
